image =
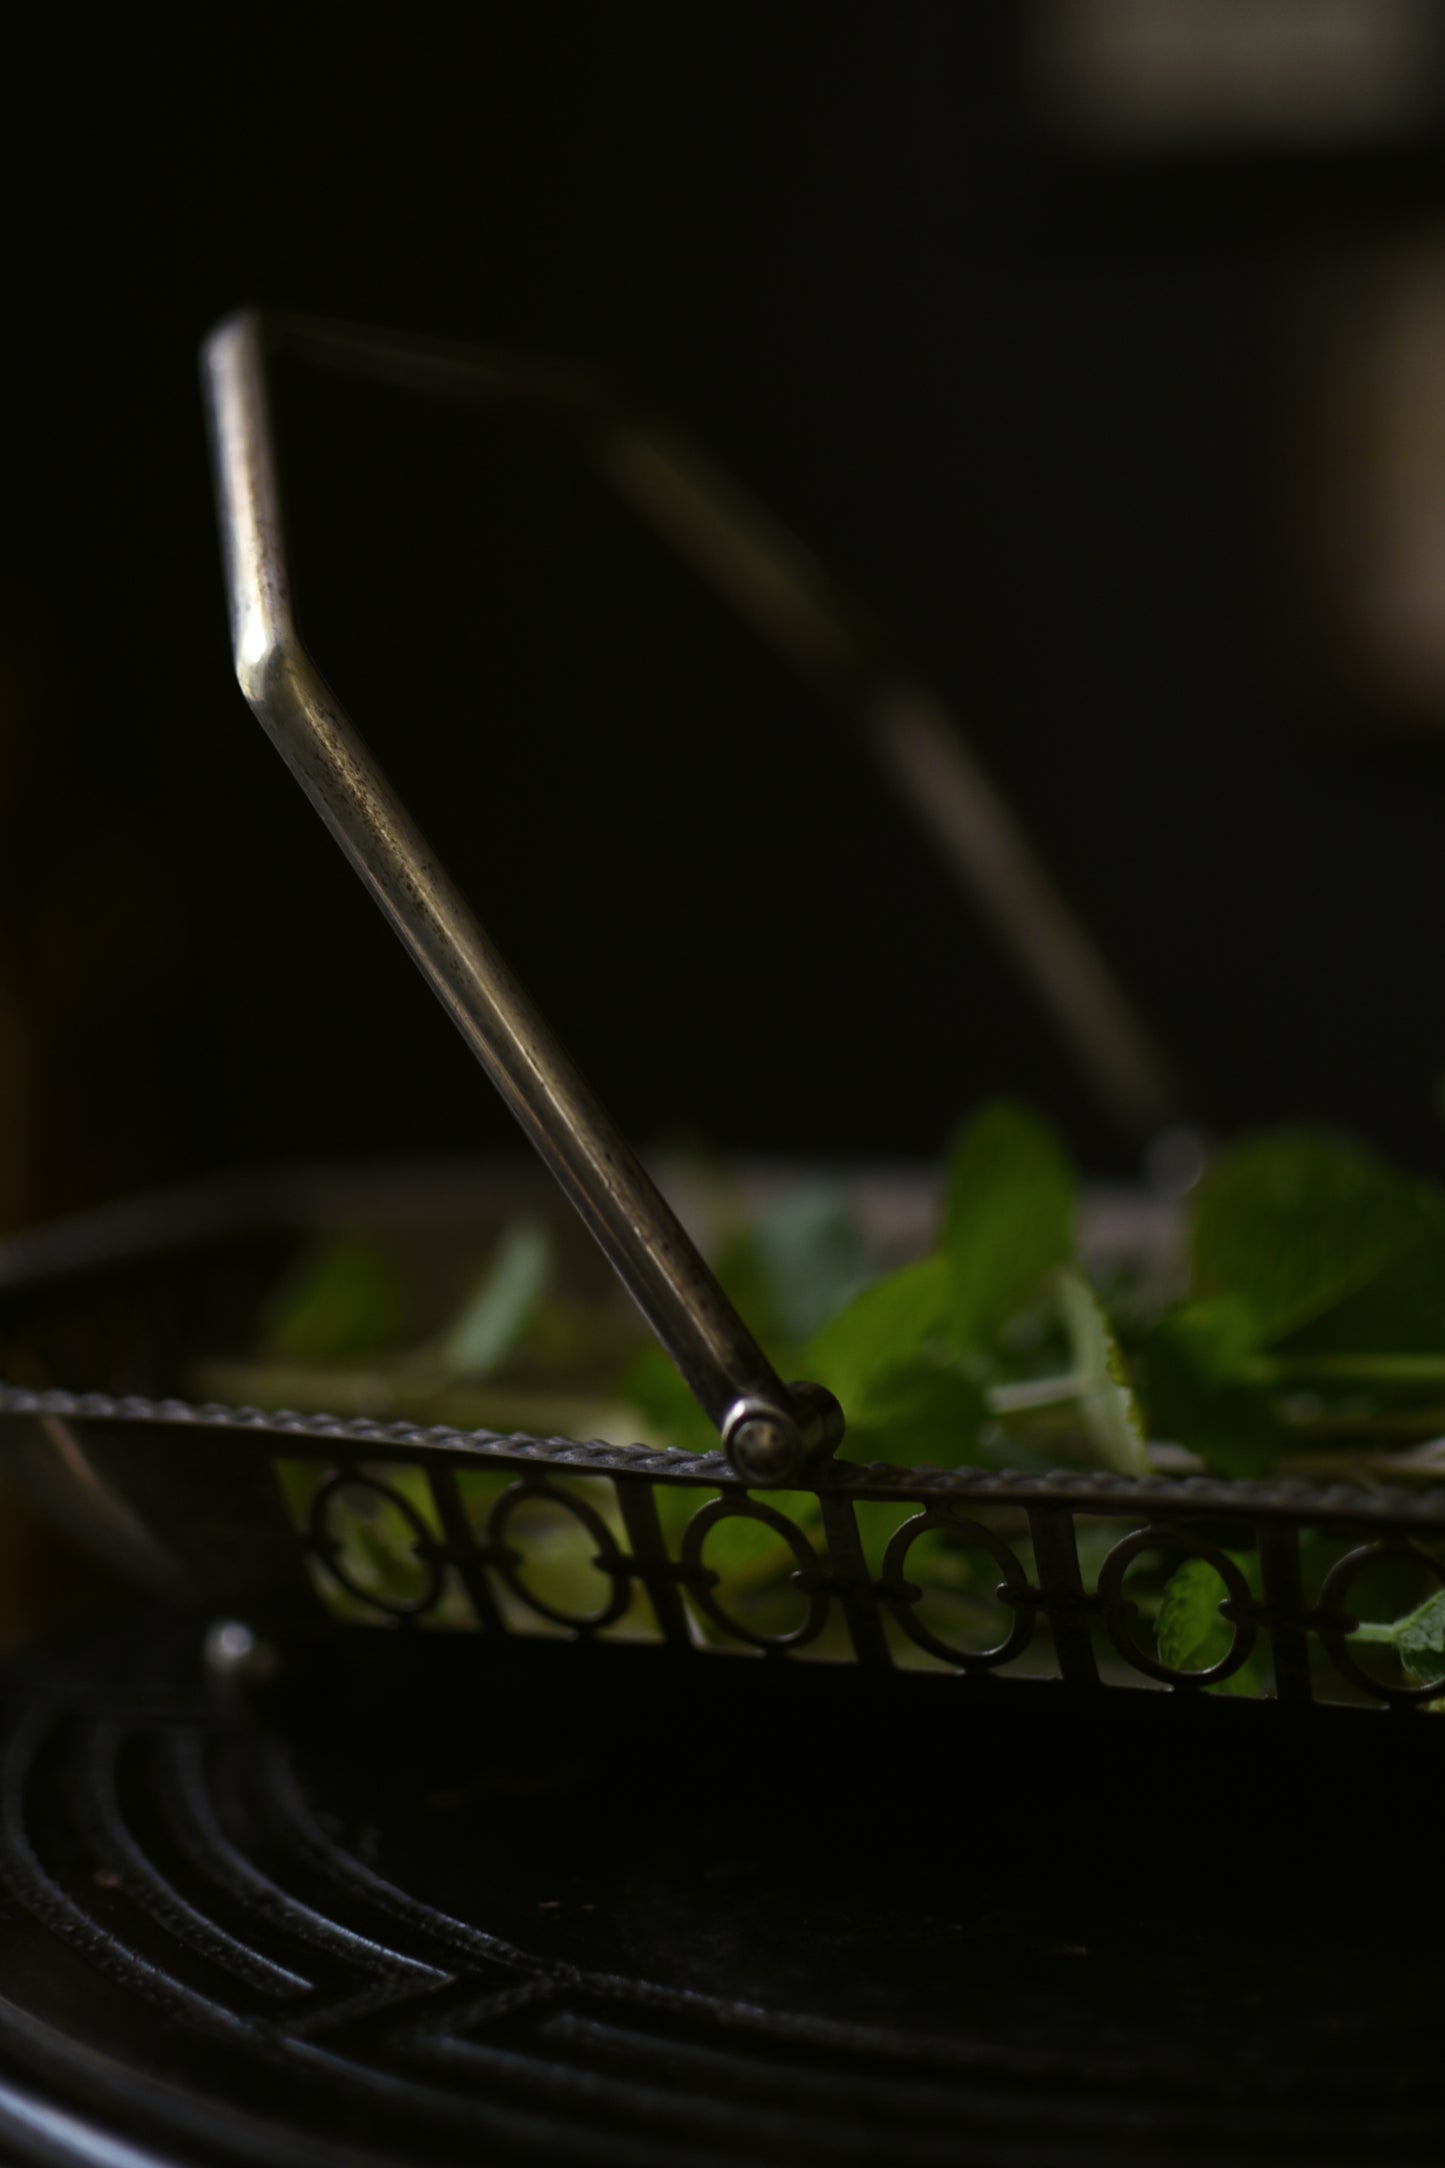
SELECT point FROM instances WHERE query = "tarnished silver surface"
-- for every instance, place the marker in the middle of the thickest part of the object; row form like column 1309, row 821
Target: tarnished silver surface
column 764, row 574
column 1092, row 1490
column 469, row 1559
column 767, row 1429
column 295, row 1523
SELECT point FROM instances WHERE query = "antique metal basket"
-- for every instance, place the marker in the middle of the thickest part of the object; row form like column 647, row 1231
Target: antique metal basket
column 254, row 1513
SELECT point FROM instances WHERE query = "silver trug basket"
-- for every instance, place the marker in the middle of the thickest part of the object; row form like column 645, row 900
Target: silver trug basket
column 201, row 1500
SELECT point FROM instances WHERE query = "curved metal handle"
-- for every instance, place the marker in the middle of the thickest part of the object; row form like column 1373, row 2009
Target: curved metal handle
column 767, row 1428
column 764, row 573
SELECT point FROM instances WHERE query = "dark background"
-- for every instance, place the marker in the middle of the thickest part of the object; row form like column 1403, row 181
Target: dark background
column 1037, row 400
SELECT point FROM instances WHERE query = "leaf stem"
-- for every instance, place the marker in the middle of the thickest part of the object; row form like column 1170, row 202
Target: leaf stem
column 1421, row 1423
column 1027, row 1393
column 1356, row 1463
column 1359, row 1369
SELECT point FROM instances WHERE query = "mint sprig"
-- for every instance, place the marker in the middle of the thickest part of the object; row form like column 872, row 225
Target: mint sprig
column 1308, row 1334
column 995, row 1346
column 1313, row 1325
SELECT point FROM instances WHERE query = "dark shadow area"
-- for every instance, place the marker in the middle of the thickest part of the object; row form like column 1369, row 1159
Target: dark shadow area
column 1049, row 404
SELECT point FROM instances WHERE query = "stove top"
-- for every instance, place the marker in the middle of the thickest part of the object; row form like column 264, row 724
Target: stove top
column 541, row 1908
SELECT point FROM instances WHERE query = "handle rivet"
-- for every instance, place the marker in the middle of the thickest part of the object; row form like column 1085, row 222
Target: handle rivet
column 763, row 1448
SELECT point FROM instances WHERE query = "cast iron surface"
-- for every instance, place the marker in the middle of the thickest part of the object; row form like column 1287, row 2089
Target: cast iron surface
column 595, row 1910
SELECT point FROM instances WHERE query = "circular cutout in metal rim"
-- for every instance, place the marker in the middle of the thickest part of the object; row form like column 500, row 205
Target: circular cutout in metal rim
column 607, row 1560
column 1334, row 1593
column 701, row 1579
column 328, row 1550
column 903, row 1596
column 1119, row 1609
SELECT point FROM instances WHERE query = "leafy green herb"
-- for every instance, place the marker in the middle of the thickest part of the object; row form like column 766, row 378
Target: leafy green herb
column 343, row 1297
column 1420, row 1638
column 654, row 1390
column 1102, row 1392
column 1189, row 1632
column 1190, row 1374
column 1313, row 1327
column 1287, row 1225
column 501, row 1305
column 810, row 1259
column 1310, row 1333
column 931, row 1414
column 930, row 1359
column 897, row 1324
column 1008, row 1220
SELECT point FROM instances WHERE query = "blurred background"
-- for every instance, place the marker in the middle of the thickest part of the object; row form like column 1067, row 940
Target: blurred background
column 1097, row 346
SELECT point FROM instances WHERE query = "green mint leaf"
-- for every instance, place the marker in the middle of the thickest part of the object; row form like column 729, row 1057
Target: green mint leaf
column 809, row 1256
column 743, row 1278
column 1008, row 1218
column 655, row 1388
column 1291, row 1223
column 376, row 1543
column 888, row 1358
column 1237, row 1449
column 1401, row 1310
column 745, row 1553
column 344, row 1296
column 898, row 1320
column 1211, row 1339
column 1187, row 1370
column 1420, row 1637
column 925, row 1414
column 1105, row 1401
column 1190, row 1633
column 500, row 1306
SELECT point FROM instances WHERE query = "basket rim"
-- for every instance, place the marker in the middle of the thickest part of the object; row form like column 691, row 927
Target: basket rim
column 1086, row 1490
